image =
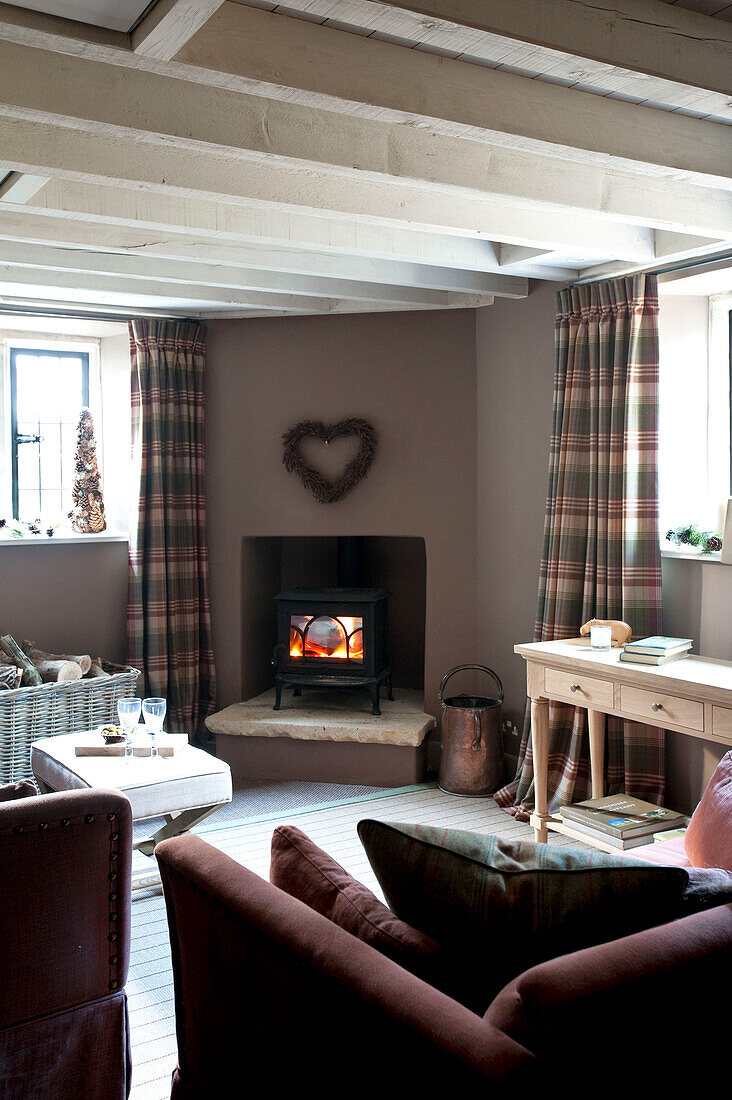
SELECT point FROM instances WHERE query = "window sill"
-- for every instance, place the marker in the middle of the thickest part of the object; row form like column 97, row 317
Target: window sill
column 60, row 540
column 714, row 558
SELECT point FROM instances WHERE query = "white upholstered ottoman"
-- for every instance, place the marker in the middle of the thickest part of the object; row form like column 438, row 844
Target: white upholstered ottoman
column 184, row 788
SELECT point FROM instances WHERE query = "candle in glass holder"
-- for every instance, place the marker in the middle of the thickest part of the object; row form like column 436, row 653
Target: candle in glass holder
column 600, row 636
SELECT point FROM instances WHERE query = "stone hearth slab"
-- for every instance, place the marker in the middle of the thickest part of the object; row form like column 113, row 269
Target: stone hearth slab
column 328, row 716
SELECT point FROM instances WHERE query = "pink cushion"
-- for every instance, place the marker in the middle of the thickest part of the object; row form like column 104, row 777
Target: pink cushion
column 670, row 853
column 709, row 836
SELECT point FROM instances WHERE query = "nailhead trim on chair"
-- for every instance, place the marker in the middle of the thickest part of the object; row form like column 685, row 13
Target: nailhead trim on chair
column 112, row 896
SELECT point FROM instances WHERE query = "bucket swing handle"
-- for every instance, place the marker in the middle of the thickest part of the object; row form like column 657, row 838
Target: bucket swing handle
column 476, row 723
column 463, row 668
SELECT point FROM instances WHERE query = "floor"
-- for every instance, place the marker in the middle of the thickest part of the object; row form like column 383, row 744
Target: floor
column 149, row 986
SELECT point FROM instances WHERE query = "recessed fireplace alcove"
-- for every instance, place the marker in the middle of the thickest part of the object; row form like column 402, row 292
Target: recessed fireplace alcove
column 271, row 566
column 298, row 593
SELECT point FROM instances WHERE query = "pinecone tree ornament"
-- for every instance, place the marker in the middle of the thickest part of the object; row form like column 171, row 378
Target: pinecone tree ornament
column 87, row 515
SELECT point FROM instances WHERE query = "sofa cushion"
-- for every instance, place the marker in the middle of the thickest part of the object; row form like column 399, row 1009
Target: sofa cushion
column 497, row 907
column 24, row 788
column 303, row 870
column 708, row 840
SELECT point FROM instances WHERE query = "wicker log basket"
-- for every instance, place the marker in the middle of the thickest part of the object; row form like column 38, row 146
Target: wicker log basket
column 28, row 713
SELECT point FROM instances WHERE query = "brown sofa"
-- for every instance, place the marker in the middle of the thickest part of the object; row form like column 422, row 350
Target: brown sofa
column 64, row 944
column 266, row 986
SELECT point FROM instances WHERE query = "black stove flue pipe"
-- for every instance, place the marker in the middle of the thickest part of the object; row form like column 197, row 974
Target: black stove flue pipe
column 351, row 561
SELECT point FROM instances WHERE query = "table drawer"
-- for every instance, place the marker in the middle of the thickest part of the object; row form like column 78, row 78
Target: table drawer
column 588, row 692
column 658, row 708
column 722, row 723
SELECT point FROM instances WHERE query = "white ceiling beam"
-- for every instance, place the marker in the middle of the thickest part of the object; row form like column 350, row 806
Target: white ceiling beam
column 500, row 106
column 347, row 307
column 261, row 234
column 21, row 187
column 78, row 281
column 511, row 254
column 43, row 299
column 365, row 265
column 169, row 25
column 643, row 35
column 101, row 155
column 247, row 49
column 671, row 248
column 82, row 264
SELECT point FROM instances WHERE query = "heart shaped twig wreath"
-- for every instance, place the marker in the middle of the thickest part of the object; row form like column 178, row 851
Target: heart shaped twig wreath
column 327, row 492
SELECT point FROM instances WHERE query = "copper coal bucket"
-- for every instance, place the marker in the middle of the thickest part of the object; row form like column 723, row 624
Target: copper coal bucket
column 471, row 761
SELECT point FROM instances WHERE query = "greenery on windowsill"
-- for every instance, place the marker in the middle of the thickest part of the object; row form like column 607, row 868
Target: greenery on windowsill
column 14, row 532
column 690, row 538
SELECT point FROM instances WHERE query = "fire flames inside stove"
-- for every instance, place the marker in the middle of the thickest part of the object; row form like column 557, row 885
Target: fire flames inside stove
column 331, row 636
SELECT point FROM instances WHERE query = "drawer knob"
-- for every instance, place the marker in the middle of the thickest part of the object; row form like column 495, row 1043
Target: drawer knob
column 656, row 706
column 574, row 687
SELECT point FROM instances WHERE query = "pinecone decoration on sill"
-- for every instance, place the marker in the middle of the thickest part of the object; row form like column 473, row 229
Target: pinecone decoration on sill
column 87, row 515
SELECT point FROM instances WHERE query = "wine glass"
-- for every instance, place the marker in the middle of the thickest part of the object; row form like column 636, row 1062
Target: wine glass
column 153, row 711
column 128, row 711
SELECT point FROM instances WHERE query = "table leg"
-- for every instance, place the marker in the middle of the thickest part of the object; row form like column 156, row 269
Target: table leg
column 176, row 825
column 540, row 755
column 596, row 724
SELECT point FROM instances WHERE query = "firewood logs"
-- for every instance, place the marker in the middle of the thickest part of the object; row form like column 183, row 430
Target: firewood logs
column 40, row 658
column 31, row 675
column 53, row 672
column 30, row 667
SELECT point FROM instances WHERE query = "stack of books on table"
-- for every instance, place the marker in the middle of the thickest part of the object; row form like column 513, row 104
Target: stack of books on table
column 621, row 820
column 656, row 650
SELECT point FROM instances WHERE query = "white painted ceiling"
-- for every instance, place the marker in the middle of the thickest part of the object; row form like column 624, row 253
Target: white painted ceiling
column 274, row 162
column 115, row 15
column 698, row 283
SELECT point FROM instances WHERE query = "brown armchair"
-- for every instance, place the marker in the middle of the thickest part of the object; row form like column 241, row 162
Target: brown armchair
column 64, row 944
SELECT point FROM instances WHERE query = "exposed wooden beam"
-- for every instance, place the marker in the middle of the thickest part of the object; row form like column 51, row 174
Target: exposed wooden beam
column 125, row 287
column 267, row 228
column 117, row 287
column 671, row 248
column 185, row 275
column 326, row 67
column 511, row 254
column 643, row 35
column 104, row 155
column 169, row 24
column 21, row 187
column 360, row 259
column 85, row 302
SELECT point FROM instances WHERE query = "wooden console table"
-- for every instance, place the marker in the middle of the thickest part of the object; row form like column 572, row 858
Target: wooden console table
column 691, row 696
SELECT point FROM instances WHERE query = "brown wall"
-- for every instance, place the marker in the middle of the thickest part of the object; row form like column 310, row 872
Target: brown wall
column 515, row 366
column 66, row 598
column 413, row 376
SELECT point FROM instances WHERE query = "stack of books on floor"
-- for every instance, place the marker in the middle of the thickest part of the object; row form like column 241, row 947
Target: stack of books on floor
column 656, row 650
column 621, row 820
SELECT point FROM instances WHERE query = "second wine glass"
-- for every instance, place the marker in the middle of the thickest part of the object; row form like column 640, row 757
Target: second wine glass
column 153, row 711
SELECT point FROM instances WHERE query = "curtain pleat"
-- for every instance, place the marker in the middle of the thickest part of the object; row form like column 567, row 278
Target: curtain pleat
column 601, row 555
column 168, row 615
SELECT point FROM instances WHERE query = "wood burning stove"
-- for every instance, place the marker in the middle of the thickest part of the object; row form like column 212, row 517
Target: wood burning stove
column 332, row 637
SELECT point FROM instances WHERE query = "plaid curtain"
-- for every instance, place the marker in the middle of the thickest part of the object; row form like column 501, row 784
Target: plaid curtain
column 168, row 618
column 601, row 556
